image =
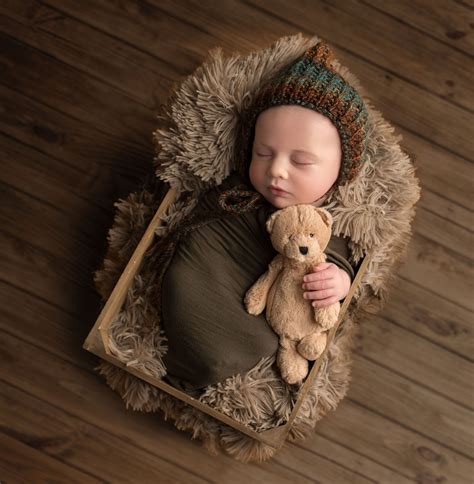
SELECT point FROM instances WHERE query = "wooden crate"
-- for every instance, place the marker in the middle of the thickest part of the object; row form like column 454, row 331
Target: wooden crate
column 97, row 341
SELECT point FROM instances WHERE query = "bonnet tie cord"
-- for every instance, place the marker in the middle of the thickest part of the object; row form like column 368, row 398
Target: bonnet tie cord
column 240, row 200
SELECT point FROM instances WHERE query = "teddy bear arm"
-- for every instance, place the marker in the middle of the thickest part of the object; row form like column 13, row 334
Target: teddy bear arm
column 256, row 297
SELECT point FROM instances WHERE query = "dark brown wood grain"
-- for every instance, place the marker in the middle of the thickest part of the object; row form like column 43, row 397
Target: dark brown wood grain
column 80, row 86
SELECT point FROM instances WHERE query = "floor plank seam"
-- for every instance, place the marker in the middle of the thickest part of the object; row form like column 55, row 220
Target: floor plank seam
column 430, row 141
column 71, row 361
column 104, row 430
column 408, row 428
column 464, row 4
column 436, row 294
column 39, row 298
column 415, row 382
column 107, row 211
column 86, row 285
column 89, row 241
column 54, row 458
column 119, row 39
column 117, row 168
column 445, row 218
column 455, row 254
column 455, row 202
column 123, row 171
column 74, row 67
column 338, row 464
column 184, row 21
column 296, row 471
column 134, row 147
column 42, row 201
column 35, row 148
column 413, row 27
column 396, row 470
column 127, row 169
column 426, row 338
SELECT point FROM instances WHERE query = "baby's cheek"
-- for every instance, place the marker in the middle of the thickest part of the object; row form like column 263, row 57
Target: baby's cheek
column 255, row 177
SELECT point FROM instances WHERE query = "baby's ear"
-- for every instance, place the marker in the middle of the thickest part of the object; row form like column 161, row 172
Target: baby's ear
column 271, row 221
column 325, row 215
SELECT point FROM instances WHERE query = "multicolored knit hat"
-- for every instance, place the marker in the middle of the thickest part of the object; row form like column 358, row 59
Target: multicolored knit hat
column 312, row 82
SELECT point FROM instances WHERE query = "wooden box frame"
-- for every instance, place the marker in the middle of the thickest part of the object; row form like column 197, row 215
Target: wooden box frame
column 97, row 340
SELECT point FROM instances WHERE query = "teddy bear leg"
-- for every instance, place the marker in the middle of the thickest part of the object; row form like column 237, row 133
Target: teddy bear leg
column 293, row 366
column 311, row 346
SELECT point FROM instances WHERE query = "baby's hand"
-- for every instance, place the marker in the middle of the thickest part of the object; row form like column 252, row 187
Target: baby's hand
column 326, row 285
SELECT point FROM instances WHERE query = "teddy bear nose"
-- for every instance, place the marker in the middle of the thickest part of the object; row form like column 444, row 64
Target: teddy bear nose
column 303, row 250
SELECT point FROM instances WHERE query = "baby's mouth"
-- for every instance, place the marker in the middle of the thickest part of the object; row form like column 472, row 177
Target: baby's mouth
column 276, row 190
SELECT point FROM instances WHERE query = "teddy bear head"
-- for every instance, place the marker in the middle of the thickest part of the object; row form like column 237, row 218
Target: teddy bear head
column 300, row 232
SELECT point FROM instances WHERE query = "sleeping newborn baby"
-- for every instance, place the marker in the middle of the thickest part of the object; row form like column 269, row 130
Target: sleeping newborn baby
column 305, row 136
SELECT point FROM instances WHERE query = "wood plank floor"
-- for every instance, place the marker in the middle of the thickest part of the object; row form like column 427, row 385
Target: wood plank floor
column 80, row 84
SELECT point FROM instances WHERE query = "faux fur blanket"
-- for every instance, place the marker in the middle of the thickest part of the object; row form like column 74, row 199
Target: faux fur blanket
column 197, row 145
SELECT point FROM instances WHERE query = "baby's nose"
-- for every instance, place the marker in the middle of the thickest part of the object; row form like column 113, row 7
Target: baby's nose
column 303, row 250
column 278, row 168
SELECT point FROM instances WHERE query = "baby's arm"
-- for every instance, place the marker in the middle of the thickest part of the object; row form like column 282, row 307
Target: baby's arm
column 326, row 285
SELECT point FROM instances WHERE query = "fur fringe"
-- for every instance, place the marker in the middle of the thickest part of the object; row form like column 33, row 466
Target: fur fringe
column 197, row 145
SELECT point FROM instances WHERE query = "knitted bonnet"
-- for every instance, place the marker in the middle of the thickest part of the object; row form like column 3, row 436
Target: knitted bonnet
column 312, row 82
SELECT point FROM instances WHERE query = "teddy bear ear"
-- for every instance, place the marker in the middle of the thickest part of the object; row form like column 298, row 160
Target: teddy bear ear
column 325, row 215
column 271, row 221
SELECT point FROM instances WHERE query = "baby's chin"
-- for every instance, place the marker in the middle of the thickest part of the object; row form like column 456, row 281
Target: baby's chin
column 279, row 202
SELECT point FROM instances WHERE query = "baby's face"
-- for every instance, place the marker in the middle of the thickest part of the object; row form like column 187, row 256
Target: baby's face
column 296, row 156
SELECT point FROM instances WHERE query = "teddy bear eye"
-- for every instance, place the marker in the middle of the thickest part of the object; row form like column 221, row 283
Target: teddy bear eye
column 311, row 235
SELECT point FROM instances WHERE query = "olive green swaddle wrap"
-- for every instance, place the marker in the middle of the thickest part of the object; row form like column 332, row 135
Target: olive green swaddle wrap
column 210, row 335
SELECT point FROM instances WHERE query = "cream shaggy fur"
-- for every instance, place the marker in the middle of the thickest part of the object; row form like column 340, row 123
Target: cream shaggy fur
column 197, row 145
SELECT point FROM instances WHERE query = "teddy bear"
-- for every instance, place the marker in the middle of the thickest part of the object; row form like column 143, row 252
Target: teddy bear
column 299, row 233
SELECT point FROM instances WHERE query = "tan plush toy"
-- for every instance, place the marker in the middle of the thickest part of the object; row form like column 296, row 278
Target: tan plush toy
column 300, row 233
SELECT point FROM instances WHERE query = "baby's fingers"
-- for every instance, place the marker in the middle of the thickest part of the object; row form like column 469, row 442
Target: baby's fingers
column 322, row 303
column 318, row 285
column 321, row 266
column 317, row 295
column 320, row 275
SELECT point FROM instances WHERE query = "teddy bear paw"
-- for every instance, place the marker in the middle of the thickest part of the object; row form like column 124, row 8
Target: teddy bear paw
column 328, row 316
column 253, row 304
